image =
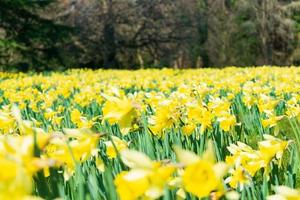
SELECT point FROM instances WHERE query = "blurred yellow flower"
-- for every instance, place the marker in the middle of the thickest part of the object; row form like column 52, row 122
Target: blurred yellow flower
column 119, row 145
column 142, row 180
column 202, row 175
column 120, row 111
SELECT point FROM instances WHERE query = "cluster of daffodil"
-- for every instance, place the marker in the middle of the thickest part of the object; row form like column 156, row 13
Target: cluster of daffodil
column 190, row 106
column 128, row 126
column 26, row 150
column 200, row 176
column 246, row 162
column 168, row 96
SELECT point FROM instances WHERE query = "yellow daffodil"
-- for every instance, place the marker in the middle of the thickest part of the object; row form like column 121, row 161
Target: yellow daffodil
column 142, row 180
column 246, row 162
column 227, row 121
column 115, row 143
column 165, row 117
column 75, row 146
column 202, row 175
column 120, row 111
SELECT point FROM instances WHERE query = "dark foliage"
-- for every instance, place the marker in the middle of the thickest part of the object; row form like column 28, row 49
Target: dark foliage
column 46, row 35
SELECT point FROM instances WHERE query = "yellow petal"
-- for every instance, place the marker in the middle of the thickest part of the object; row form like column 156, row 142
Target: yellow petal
column 220, row 169
column 135, row 159
column 209, row 154
column 185, row 157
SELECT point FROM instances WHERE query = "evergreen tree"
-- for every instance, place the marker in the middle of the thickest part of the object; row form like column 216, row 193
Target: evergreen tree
column 27, row 39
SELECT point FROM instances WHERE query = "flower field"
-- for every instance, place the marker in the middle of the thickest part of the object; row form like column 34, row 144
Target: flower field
column 230, row 133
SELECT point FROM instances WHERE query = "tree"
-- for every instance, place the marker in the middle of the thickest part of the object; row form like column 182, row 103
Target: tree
column 249, row 32
column 127, row 33
column 293, row 11
column 34, row 40
column 265, row 34
column 219, row 31
column 148, row 33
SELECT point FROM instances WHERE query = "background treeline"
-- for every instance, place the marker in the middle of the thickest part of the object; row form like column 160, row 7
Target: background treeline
column 45, row 34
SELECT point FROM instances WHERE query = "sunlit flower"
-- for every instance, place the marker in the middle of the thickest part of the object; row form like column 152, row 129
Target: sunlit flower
column 202, row 175
column 142, row 179
column 120, row 111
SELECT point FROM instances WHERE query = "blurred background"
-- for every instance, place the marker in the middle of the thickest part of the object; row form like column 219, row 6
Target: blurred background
column 129, row 34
